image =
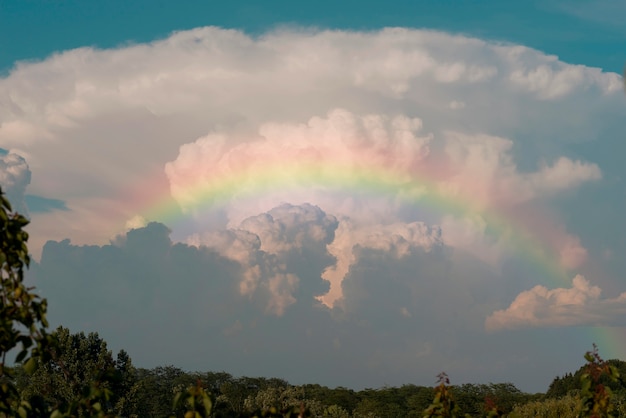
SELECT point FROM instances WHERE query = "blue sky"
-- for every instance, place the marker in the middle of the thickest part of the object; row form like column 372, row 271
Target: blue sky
column 578, row 31
column 401, row 187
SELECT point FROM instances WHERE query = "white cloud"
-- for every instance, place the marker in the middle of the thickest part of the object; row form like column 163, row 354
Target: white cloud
column 256, row 94
column 312, row 161
column 326, row 147
column 135, row 222
column 551, row 79
column 564, row 174
column 264, row 244
column 15, row 176
column 287, row 228
column 580, row 305
column 483, row 166
column 470, row 234
column 397, row 240
column 464, row 145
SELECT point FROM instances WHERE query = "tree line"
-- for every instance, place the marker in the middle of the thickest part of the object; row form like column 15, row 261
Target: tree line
column 139, row 392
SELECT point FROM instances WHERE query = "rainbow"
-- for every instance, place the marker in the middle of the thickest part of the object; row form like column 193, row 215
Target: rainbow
column 535, row 243
column 415, row 189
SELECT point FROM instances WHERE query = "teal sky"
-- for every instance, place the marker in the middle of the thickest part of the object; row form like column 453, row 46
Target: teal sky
column 579, row 31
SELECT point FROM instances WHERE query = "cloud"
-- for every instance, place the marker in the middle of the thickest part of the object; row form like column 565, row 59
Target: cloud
column 205, row 94
column 267, row 246
column 580, row 305
column 149, row 291
column 135, row 222
column 405, row 296
column 15, row 176
column 470, row 234
column 565, row 174
column 322, row 161
column 306, row 233
column 483, row 167
column 371, row 195
column 397, row 240
column 288, row 227
column 341, row 141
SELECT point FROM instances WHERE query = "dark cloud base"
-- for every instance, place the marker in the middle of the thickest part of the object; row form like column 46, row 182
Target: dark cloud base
column 172, row 303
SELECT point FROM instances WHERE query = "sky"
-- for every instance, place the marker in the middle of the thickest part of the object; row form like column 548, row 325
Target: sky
column 357, row 194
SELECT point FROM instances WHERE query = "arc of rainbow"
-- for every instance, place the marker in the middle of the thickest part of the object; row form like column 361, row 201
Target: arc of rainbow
column 411, row 187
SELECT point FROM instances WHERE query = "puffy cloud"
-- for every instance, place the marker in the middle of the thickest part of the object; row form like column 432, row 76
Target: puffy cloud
column 275, row 249
column 135, row 222
column 565, row 174
column 150, row 99
column 15, row 175
column 571, row 252
column 580, row 305
column 553, row 81
column 324, row 147
column 288, row 228
column 327, row 160
column 397, row 240
column 483, row 167
column 267, row 245
column 470, row 235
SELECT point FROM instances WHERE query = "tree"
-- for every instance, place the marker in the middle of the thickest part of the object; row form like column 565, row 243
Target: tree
column 565, row 407
column 23, row 330
column 158, row 386
column 22, row 313
column 81, row 367
column 335, row 411
column 126, row 386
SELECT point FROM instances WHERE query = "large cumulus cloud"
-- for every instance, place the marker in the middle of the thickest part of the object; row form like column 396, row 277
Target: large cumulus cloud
column 375, row 196
column 132, row 108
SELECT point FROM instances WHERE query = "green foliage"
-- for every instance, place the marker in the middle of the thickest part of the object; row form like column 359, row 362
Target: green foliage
column 566, row 407
column 282, row 398
column 494, row 399
column 335, row 411
column 156, row 389
column 343, row 397
column 419, row 400
column 195, row 400
column 595, row 396
column 562, row 386
column 22, row 313
column 571, row 383
column 125, row 387
column 443, row 405
column 80, row 375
